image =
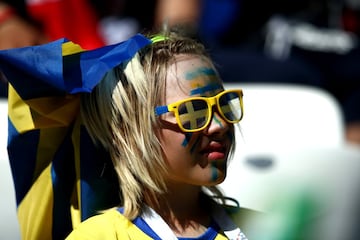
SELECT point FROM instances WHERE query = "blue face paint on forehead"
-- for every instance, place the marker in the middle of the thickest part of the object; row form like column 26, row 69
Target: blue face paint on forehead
column 204, row 81
column 199, row 72
column 205, row 90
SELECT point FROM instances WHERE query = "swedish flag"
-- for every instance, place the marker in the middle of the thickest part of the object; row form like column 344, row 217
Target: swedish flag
column 60, row 177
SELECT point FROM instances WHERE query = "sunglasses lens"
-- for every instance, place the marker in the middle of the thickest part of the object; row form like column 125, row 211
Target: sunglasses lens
column 193, row 114
column 229, row 105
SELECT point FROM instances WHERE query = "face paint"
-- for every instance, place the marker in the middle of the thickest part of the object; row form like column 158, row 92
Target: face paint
column 191, row 142
column 187, row 139
column 214, row 173
column 190, row 157
column 207, row 90
column 214, row 169
column 199, row 73
column 204, row 82
column 215, row 118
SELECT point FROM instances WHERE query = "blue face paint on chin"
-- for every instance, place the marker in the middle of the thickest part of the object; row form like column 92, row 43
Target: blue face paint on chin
column 214, row 173
column 215, row 168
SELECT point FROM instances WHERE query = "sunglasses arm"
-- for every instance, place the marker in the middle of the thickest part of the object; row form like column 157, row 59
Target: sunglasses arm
column 161, row 110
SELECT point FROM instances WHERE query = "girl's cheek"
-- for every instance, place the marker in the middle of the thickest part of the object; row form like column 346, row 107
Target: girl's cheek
column 191, row 140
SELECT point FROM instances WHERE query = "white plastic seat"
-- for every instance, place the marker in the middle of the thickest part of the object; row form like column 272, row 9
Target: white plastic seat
column 9, row 227
column 318, row 186
column 280, row 117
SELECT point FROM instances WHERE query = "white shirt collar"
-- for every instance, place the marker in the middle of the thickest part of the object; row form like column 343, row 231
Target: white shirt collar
column 160, row 227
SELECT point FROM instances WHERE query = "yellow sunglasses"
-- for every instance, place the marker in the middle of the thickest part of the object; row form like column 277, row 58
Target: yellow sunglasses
column 194, row 114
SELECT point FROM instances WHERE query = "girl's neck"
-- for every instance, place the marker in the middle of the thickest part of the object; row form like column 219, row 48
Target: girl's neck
column 184, row 208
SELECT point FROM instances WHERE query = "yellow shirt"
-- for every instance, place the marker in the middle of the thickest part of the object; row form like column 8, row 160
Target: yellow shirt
column 112, row 225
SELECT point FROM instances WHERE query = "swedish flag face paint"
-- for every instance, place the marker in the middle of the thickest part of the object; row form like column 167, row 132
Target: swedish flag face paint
column 197, row 158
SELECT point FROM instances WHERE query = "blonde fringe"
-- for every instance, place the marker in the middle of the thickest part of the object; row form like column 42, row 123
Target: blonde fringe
column 138, row 162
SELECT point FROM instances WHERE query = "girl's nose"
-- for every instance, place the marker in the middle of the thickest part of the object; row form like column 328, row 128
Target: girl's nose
column 217, row 125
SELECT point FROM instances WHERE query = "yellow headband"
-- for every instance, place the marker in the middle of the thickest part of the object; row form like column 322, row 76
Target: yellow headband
column 158, row 38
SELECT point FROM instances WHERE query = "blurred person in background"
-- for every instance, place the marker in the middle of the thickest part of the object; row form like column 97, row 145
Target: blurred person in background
column 17, row 29
column 92, row 23
column 27, row 23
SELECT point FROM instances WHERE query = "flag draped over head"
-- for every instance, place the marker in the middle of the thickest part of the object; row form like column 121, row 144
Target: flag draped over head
column 60, row 177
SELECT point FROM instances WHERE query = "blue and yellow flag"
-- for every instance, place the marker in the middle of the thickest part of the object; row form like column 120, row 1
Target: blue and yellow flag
column 60, row 177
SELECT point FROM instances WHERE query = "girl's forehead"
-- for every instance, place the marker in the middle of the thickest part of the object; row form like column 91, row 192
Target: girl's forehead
column 193, row 76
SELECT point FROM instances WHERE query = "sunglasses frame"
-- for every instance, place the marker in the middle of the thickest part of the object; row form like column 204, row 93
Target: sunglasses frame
column 211, row 101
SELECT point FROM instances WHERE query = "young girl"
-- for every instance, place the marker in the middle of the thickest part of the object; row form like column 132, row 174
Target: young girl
column 155, row 106
column 167, row 123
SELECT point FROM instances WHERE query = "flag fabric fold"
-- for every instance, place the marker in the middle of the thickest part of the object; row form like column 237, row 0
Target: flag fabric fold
column 60, row 177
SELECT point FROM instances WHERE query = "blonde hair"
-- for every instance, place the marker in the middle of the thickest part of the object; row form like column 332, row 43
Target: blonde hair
column 119, row 114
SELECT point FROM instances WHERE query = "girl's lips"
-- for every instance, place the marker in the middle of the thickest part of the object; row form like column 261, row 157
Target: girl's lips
column 214, row 151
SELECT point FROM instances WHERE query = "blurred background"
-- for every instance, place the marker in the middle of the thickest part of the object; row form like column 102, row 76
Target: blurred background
column 297, row 61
